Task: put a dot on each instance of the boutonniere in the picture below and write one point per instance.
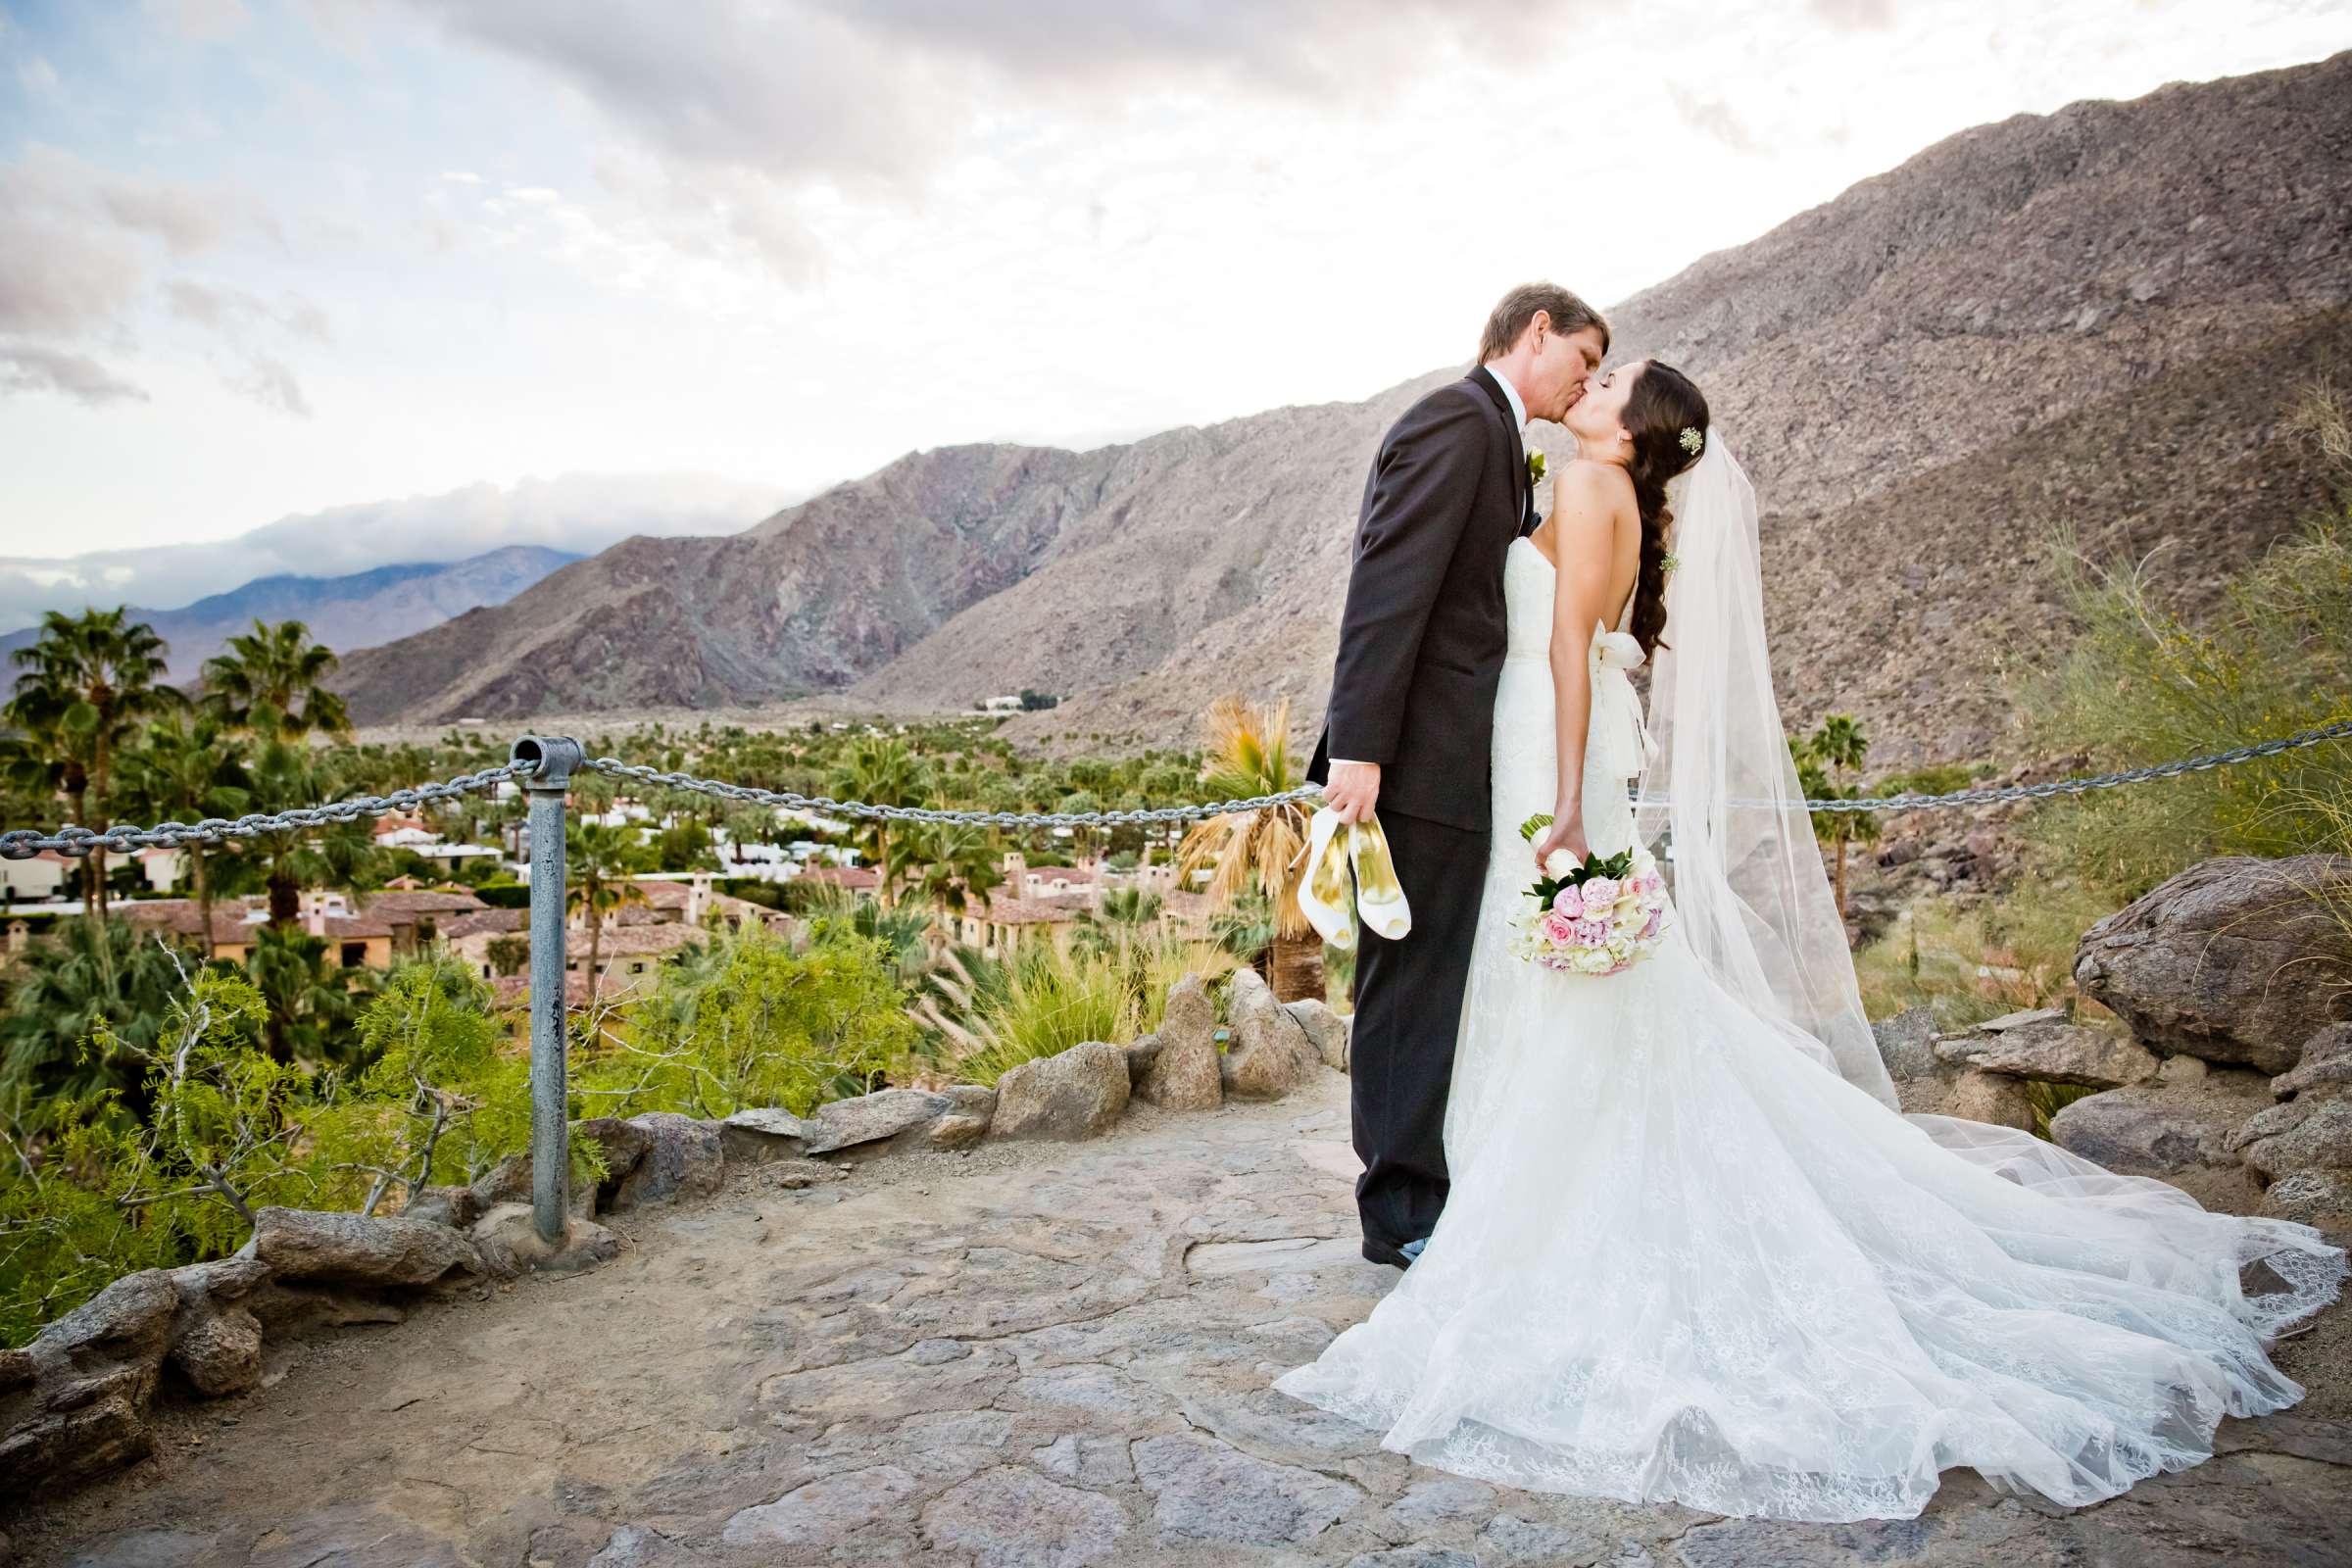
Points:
(1534, 469)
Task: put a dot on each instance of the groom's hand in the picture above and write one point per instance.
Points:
(1352, 790)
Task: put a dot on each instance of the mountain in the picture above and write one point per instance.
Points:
(350, 612)
(2095, 318)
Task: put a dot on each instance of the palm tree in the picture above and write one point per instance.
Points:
(598, 861)
(748, 824)
(280, 775)
(1249, 753)
(310, 999)
(185, 770)
(955, 865)
(92, 973)
(880, 771)
(279, 668)
(1826, 763)
(85, 686)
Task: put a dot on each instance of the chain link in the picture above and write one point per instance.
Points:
(2095, 781)
(23, 844)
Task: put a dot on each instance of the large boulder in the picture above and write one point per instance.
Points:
(1078, 1094)
(2321, 1198)
(2235, 960)
(301, 1243)
(1907, 1043)
(81, 1391)
(759, 1134)
(657, 1157)
(2304, 1134)
(2041, 1043)
(1185, 1071)
(1325, 1030)
(885, 1116)
(2162, 1129)
(1269, 1055)
(1995, 1099)
(2325, 1066)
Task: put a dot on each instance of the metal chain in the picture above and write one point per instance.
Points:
(924, 814)
(2095, 781)
(24, 842)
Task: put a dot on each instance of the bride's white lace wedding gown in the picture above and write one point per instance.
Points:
(1683, 1260)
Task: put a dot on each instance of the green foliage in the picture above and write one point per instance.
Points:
(91, 976)
(1049, 1000)
(2142, 684)
(1970, 961)
(751, 1023)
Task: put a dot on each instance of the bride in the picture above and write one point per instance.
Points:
(1693, 1251)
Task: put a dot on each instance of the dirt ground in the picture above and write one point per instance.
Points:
(1037, 1355)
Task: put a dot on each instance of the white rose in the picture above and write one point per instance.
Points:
(1558, 863)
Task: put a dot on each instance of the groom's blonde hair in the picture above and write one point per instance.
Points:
(1510, 316)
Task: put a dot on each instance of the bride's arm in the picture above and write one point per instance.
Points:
(1586, 502)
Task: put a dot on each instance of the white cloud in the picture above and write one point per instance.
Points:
(581, 512)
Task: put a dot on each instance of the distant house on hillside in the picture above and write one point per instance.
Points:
(370, 934)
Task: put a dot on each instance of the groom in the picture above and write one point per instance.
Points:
(1411, 716)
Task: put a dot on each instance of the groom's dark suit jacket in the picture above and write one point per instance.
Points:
(1421, 642)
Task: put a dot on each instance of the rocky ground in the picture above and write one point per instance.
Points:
(1031, 1354)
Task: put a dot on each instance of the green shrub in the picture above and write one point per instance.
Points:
(503, 895)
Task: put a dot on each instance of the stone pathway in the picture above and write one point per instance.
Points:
(1039, 1354)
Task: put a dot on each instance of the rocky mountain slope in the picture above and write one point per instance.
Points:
(2093, 318)
(355, 610)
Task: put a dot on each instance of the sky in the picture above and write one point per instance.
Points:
(550, 270)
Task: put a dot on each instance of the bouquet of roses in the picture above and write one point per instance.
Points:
(1593, 918)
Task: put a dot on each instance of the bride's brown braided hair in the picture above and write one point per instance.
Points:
(1663, 404)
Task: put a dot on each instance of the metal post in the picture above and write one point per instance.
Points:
(552, 757)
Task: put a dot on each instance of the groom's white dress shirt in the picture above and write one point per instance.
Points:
(1519, 418)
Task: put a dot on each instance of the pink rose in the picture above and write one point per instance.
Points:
(1559, 928)
(1648, 883)
(1592, 933)
(1657, 917)
(1569, 901)
(1600, 892)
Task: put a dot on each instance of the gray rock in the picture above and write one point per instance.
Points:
(2320, 1198)
(661, 1158)
(1445, 1500)
(2320, 1140)
(1205, 1490)
(2044, 1045)
(454, 1206)
(16, 1370)
(2325, 1065)
(1090, 1461)
(638, 1547)
(508, 1239)
(875, 1119)
(1995, 1099)
(1185, 1073)
(1326, 1031)
(2226, 961)
(1190, 1014)
(1269, 1055)
(824, 1512)
(1141, 1054)
(1017, 1518)
(83, 1409)
(1413, 1558)
(509, 1181)
(301, 1244)
(1907, 1043)
(1508, 1540)
(1078, 1094)
(760, 1134)
(2160, 1129)
(971, 1108)
(215, 1341)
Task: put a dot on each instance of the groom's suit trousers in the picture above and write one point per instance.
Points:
(1408, 1008)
